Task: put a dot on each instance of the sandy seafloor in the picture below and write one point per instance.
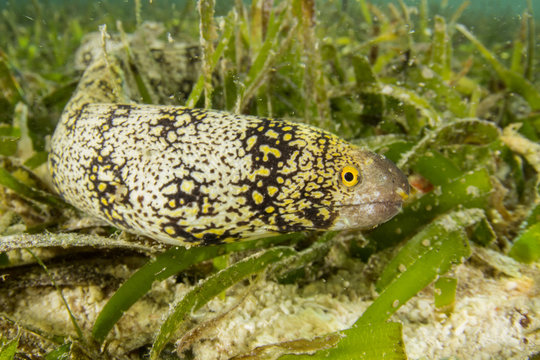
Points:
(496, 314)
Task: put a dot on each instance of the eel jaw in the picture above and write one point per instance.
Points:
(366, 215)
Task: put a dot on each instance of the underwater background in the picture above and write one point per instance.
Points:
(492, 20)
(447, 90)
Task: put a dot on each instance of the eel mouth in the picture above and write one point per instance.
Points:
(367, 215)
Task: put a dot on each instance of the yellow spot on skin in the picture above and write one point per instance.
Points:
(287, 136)
(105, 127)
(317, 194)
(260, 183)
(272, 190)
(172, 203)
(170, 189)
(100, 158)
(94, 168)
(299, 142)
(270, 209)
(272, 220)
(286, 202)
(194, 211)
(187, 186)
(104, 201)
(116, 215)
(93, 177)
(287, 128)
(290, 168)
(257, 197)
(183, 119)
(229, 240)
(250, 142)
(260, 128)
(102, 187)
(269, 150)
(205, 208)
(181, 213)
(215, 231)
(263, 171)
(280, 180)
(324, 213)
(296, 219)
(272, 134)
(171, 136)
(260, 171)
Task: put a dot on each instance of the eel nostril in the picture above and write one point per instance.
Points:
(402, 193)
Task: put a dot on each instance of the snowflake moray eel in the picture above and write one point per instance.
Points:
(198, 177)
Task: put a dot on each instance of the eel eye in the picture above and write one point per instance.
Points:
(350, 176)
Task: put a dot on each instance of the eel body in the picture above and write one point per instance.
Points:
(190, 176)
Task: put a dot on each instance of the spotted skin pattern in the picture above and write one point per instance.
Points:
(190, 176)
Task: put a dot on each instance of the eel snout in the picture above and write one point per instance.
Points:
(378, 199)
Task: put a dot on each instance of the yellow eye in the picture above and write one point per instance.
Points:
(350, 176)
